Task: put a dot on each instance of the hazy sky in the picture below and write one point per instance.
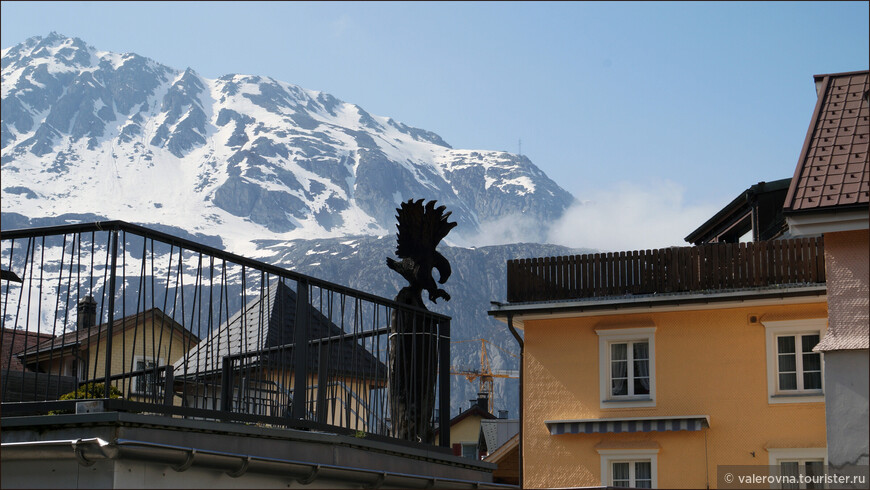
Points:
(655, 114)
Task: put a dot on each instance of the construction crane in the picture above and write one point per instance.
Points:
(484, 374)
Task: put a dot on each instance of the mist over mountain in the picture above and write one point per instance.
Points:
(262, 168)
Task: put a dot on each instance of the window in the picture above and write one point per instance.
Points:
(627, 367)
(798, 367)
(146, 384)
(799, 461)
(794, 372)
(469, 450)
(632, 468)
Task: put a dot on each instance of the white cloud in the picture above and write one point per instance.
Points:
(630, 216)
(515, 228)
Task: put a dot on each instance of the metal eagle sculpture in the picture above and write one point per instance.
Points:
(413, 358)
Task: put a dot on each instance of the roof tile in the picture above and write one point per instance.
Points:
(834, 162)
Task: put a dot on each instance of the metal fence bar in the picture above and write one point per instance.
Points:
(210, 357)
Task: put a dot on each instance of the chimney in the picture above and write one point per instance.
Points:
(86, 313)
(483, 401)
(503, 414)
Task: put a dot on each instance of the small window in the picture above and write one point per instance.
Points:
(798, 462)
(146, 383)
(794, 372)
(631, 474)
(469, 450)
(629, 468)
(627, 367)
(799, 369)
(797, 467)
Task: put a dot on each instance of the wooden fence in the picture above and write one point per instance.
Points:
(717, 266)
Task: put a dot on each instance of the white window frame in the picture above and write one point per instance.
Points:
(134, 386)
(610, 456)
(801, 455)
(622, 335)
(774, 329)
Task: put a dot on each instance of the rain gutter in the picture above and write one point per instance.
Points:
(519, 339)
(235, 465)
(721, 299)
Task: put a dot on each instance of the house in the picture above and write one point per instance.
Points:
(14, 341)
(828, 196)
(17, 382)
(653, 368)
(260, 342)
(499, 443)
(142, 344)
(754, 215)
(507, 459)
(235, 414)
(496, 432)
(465, 428)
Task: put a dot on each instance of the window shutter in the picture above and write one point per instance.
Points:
(457, 449)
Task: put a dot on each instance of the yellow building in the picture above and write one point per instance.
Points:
(344, 384)
(656, 368)
(140, 342)
(465, 429)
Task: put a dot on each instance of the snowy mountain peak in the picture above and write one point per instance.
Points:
(241, 156)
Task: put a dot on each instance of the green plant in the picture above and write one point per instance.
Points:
(360, 434)
(92, 390)
(86, 392)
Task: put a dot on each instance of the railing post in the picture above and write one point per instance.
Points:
(322, 381)
(111, 318)
(226, 384)
(300, 356)
(444, 383)
(168, 384)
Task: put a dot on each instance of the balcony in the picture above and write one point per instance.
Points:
(703, 268)
(152, 323)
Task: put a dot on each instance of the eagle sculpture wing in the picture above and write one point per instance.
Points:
(420, 230)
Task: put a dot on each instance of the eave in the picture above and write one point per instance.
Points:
(659, 302)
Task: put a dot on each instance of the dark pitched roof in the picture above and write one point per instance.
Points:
(764, 200)
(267, 323)
(832, 171)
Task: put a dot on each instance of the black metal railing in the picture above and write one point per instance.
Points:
(175, 327)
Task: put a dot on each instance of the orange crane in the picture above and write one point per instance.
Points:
(485, 374)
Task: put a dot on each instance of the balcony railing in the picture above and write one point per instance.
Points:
(711, 267)
(188, 330)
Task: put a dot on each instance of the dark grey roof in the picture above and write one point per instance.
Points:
(265, 329)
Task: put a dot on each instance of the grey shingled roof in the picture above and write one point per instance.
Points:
(269, 321)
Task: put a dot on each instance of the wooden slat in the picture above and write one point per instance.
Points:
(704, 267)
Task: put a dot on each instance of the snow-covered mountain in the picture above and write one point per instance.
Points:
(240, 156)
(262, 168)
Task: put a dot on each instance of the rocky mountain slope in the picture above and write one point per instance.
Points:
(262, 168)
(238, 156)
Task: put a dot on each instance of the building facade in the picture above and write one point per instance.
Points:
(630, 388)
(829, 196)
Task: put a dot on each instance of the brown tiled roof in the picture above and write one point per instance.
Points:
(832, 171)
(15, 341)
